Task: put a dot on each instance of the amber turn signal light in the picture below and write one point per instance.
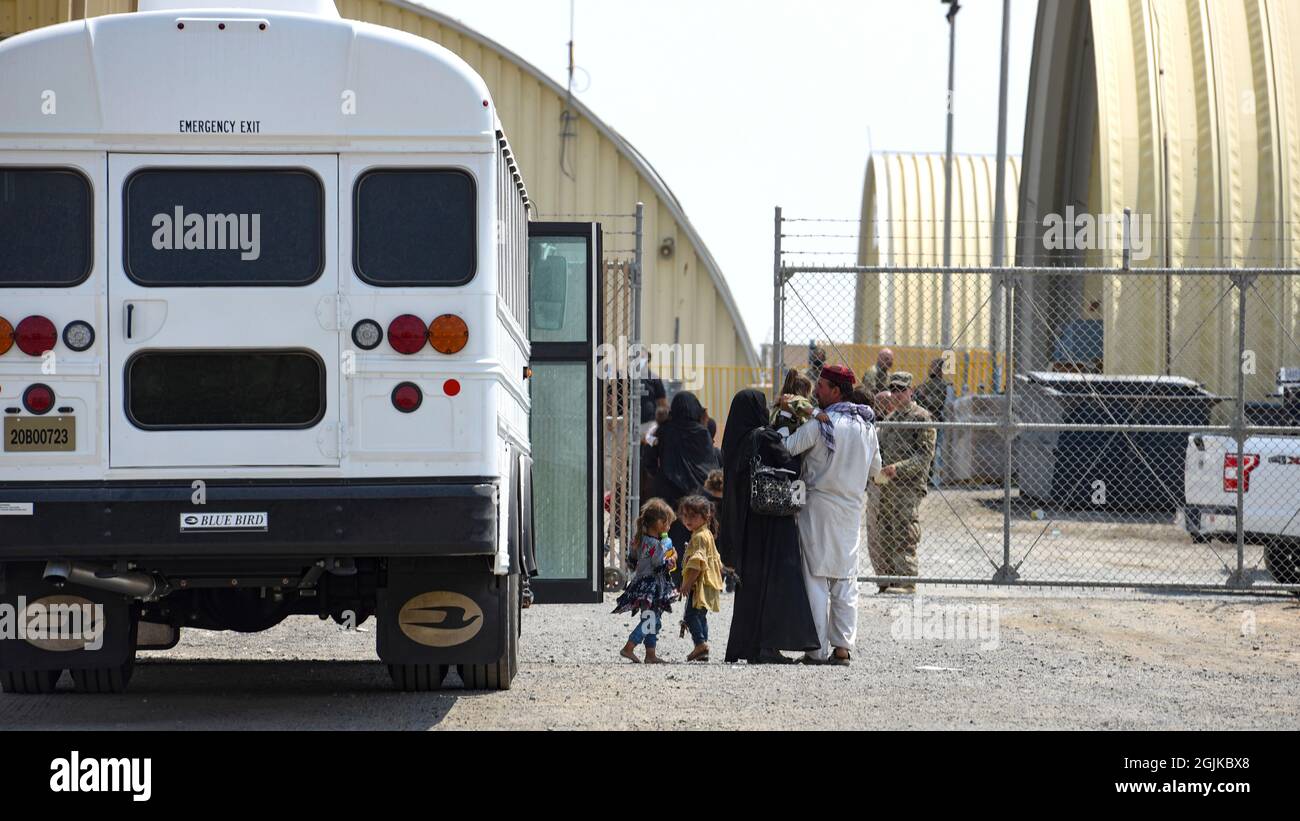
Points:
(6, 335)
(448, 334)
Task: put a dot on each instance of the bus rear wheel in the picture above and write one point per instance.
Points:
(115, 678)
(500, 674)
(29, 682)
(418, 678)
(104, 679)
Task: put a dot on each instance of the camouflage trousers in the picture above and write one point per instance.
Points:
(897, 530)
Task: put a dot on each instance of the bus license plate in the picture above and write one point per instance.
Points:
(26, 434)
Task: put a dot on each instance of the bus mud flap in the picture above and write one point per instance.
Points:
(443, 618)
(44, 627)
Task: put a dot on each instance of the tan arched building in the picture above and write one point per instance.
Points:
(902, 224)
(1187, 112)
(685, 298)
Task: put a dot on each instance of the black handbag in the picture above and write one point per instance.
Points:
(774, 491)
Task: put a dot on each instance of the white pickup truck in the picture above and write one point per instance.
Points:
(1270, 474)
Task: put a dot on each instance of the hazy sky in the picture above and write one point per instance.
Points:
(743, 106)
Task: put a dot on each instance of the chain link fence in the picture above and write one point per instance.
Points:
(1091, 419)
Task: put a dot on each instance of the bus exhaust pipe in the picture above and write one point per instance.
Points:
(131, 583)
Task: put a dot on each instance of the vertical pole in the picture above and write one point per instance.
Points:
(778, 310)
(1006, 574)
(1127, 252)
(945, 307)
(635, 387)
(1000, 197)
(1239, 424)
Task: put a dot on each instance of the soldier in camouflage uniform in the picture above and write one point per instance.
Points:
(907, 453)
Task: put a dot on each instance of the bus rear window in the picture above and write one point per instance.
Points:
(46, 227)
(414, 226)
(224, 227)
(206, 390)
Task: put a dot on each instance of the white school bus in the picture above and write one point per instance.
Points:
(265, 340)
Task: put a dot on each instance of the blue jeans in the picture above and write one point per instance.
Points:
(697, 621)
(647, 629)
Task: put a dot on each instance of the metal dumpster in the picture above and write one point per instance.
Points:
(1113, 470)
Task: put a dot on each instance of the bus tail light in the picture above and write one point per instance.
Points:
(6, 336)
(78, 335)
(407, 334)
(448, 334)
(36, 335)
(367, 334)
(407, 397)
(38, 399)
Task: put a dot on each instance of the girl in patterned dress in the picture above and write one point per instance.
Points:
(651, 591)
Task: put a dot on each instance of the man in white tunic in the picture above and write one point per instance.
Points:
(840, 455)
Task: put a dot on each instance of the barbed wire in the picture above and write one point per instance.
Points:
(584, 216)
(1028, 221)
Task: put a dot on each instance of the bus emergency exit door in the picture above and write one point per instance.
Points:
(567, 474)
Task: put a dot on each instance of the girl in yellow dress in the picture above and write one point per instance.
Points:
(701, 573)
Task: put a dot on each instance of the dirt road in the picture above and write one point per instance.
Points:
(1032, 659)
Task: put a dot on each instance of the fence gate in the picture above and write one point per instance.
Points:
(1098, 423)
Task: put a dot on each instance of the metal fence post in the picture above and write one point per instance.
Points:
(635, 386)
(1006, 574)
(1238, 578)
(778, 308)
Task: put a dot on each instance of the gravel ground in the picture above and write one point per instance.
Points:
(1072, 659)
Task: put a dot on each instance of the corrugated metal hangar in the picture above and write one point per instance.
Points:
(1188, 113)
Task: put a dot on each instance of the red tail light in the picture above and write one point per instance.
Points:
(36, 335)
(38, 399)
(407, 397)
(1249, 462)
(408, 334)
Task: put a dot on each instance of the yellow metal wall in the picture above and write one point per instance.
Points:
(685, 286)
(902, 224)
(1197, 124)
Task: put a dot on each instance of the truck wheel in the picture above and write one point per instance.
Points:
(1283, 563)
(418, 678)
(29, 682)
(499, 675)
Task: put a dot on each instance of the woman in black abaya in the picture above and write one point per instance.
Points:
(684, 455)
(771, 610)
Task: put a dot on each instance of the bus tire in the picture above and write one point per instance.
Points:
(500, 674)
(418, 678)
(29, 682)
(112, 679)
(104, 679)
